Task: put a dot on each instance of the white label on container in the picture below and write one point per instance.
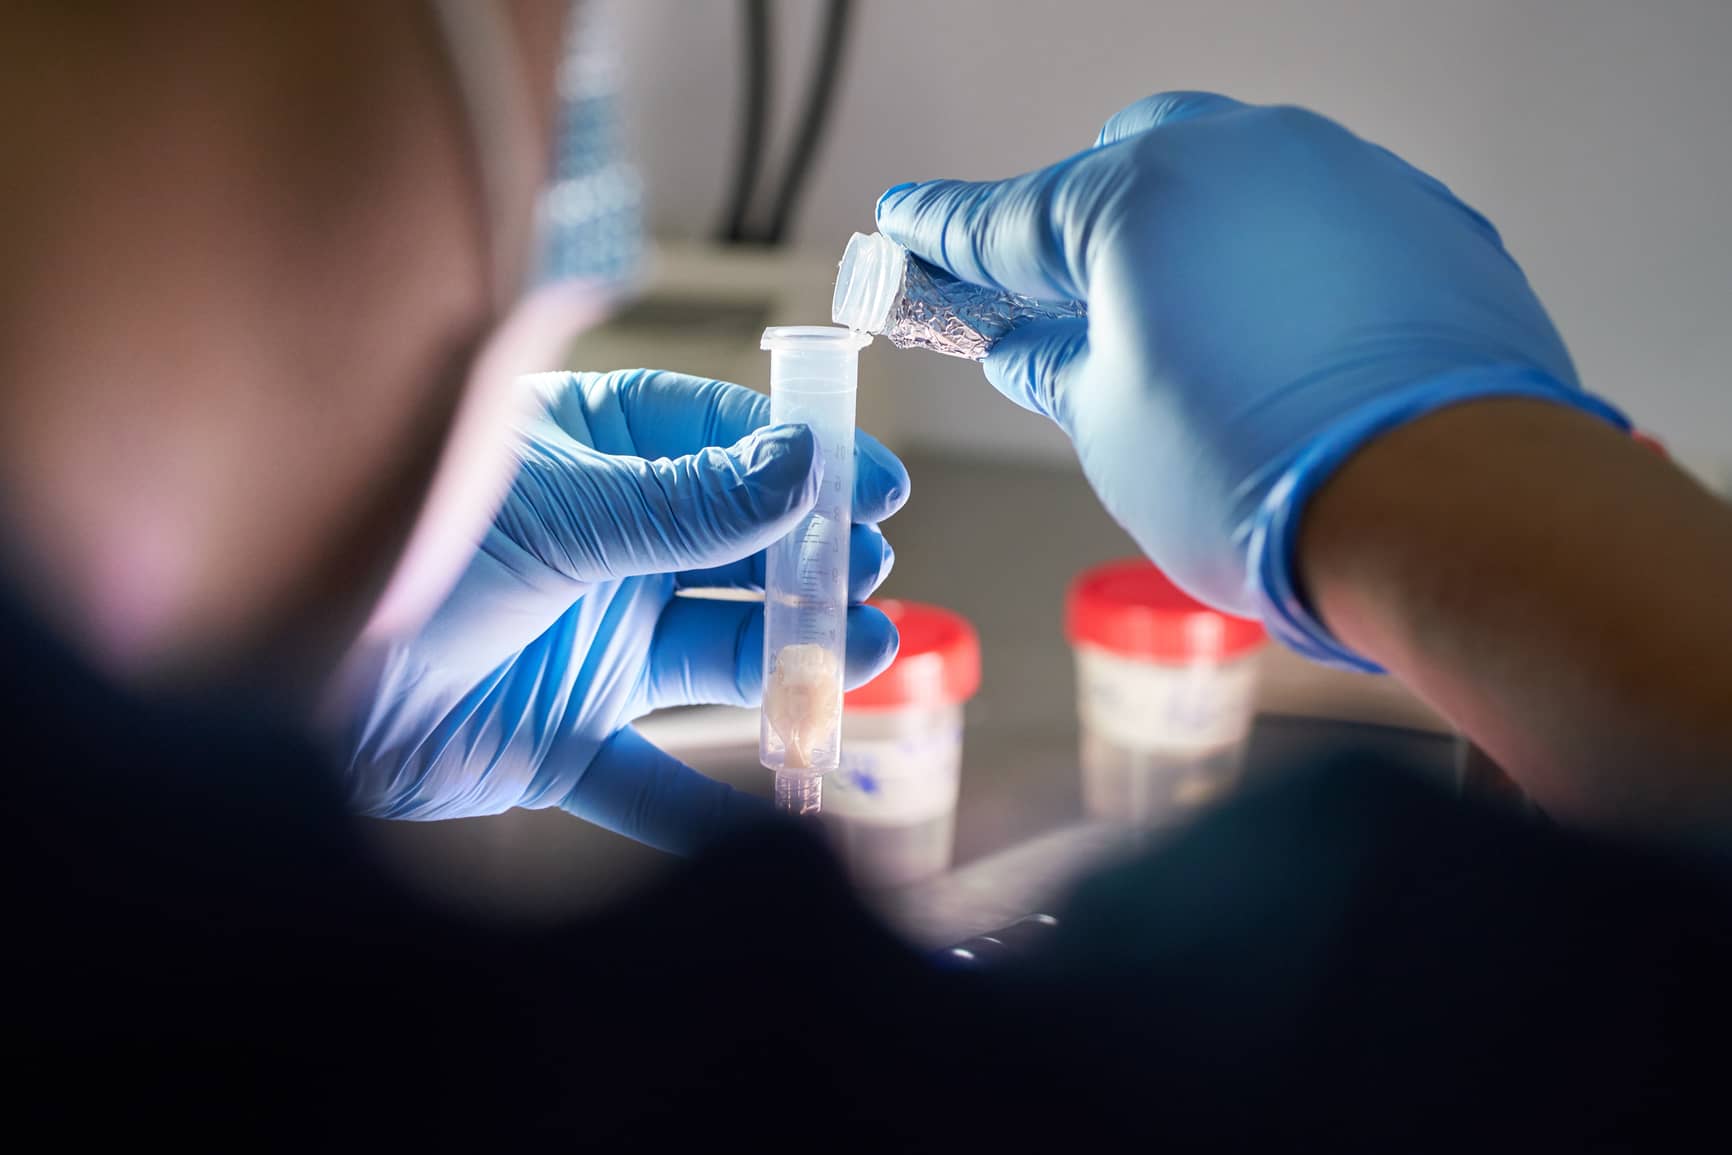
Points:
(896, 779)
(1148, 706)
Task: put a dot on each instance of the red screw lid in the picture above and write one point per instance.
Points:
(939, 661)
(1133, 609)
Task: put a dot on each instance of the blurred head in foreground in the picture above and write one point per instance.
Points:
(252, 253)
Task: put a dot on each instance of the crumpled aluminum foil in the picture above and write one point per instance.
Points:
(938, 312)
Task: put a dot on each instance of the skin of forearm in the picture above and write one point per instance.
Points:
(1562, 594)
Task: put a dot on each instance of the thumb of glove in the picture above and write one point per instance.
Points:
(624, 516)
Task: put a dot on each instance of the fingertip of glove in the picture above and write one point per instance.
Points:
(873, 643)
(891, 194)
(882, 486)
(891, 640)
(899, 210)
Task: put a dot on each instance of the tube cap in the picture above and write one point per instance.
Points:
(867, 282)
(939, 662)
(812, 339)
(1132, 609)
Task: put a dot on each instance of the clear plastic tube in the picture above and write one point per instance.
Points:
(882, 289)
(814, 370)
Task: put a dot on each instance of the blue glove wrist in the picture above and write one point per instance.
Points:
(1272, 561)
(1266, 293)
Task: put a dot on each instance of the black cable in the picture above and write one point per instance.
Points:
(754, 117)
(820, 94)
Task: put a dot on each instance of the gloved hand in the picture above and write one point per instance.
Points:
(564, 628)
(1266, 292)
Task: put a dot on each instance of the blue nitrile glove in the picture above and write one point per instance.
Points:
(1266, 292)
(564, 629)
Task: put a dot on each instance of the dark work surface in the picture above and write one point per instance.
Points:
(1347, 958)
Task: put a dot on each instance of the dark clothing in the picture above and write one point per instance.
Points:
(202, 948)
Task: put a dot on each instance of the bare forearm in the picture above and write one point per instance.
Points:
(1560, 593)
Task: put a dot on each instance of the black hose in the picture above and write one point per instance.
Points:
(754, 117)
(820, 95)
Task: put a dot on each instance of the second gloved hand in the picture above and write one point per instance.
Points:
(565, 627)
(1266, 292)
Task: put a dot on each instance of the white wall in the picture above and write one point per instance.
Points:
(1596, 133)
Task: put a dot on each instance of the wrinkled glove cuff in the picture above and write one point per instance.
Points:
(1272, 564)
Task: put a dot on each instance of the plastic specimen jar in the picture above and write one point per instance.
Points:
(1166, 691)
(891, 807)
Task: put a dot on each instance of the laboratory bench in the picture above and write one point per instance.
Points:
(998, 542)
